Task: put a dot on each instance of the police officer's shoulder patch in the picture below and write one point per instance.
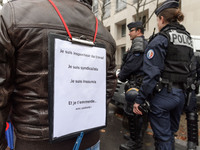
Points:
(150, 54)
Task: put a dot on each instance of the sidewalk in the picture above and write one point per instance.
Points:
(112, 135)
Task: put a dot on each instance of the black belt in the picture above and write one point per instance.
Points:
(174, 85)
(169, 86)
(177, 85)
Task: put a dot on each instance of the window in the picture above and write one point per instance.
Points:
(123, 29)
(107, 1)
(107, 9)
(135, 1)
(95, 6)
(120, 4)
(123, 50)
(108, 28)
(143, 20)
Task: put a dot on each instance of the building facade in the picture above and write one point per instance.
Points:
(116, 14)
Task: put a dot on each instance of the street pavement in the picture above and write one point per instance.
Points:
(112, 135)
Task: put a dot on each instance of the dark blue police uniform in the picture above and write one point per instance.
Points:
(166, 66)
(132, 71)
(166, 107)
(133, 65)
(133, 59)
(190, 108)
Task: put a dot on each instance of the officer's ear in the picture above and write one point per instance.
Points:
(163, 21)
(137, 30)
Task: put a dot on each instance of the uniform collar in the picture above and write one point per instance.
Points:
(173, 25)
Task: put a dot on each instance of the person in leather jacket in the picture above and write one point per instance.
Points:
(24, 29)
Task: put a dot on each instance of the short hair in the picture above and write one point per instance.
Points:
(141, 28)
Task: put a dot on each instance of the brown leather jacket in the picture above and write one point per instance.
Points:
(24, 29)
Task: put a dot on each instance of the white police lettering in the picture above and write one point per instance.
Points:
(180, 39)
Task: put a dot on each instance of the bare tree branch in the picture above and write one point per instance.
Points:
(137, 6)
(153, 12)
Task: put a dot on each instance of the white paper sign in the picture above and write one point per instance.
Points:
(79, 88)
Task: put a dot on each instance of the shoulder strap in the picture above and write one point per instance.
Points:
(65, 25)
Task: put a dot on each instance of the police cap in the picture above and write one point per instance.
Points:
(134, 25)
(167, 4)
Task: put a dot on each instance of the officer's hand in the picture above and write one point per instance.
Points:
(136, 109)
(117, 73)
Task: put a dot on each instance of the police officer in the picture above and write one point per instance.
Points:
(132, 71)
(167, 66)
(192, 120)
(191, 104)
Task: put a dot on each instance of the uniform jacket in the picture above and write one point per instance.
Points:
(24, 29)
(133, 59)
(155, 62)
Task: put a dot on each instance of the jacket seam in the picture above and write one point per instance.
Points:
(57, 27)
